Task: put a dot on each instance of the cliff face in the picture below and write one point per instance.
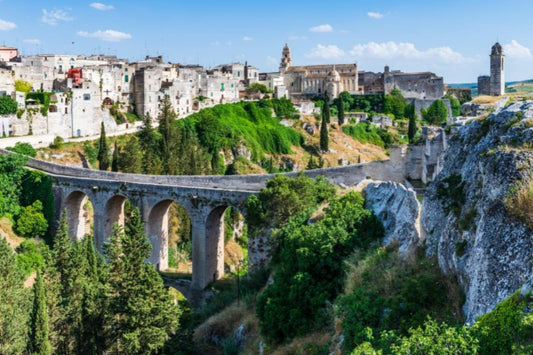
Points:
(464, 216)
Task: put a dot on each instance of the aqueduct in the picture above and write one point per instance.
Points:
(205, 199)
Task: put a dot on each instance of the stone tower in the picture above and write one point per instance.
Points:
(497, 78)
(286, 59)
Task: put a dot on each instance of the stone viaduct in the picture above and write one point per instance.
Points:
(205, 198)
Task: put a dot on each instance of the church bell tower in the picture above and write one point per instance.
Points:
(286, 59)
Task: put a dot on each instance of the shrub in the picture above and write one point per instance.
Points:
(30, 255)
(23, 148)
(31, 222)
(436, 114)
(520, 201)
(368, 133)
(57, 143)
(507, 328)
(7, 105)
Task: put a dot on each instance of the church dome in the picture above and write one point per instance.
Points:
(334, 75)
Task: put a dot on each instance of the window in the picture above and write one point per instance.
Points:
(238, 74)
(126, 78)
(125, 69)
(86, 97)
(222, 87)
(232, 86)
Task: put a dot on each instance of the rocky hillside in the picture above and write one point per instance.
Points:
(466, 213)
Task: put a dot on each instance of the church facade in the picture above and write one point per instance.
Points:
(305, 82)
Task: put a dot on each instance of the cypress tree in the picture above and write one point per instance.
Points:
(325, 108)
(340, 108)
(324, 137)
(149, 143)
(165, 117)
(142, 314)
(131, 160)
(103, 150)
(114, 162)
(40, 327)
(15, 304)
(411, 130)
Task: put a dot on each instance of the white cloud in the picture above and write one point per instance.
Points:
(215, 43)
(516, 50)
(107, 35)
(376, 15)
(326, 52)
(228, 43)
(33, 41)
(101, 7)
(52, 17)
(321, 28)
(7, 26)
(246, 38)
(386, 50)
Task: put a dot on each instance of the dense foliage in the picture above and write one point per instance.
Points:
(23, 148)
(436, 113)
(7, 105)
(384, 291)
(368, 133)
(309, 266)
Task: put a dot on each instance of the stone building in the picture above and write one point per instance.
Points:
(423, 85)
(493, 85)
(8, 54)
(314, 80)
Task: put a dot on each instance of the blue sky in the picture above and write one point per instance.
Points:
(451, 38)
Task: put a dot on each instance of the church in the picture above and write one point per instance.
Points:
(305, 82)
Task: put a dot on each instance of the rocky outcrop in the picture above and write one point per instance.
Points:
(464, 216)
(396, 207)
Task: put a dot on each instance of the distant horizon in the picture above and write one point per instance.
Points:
(451, 39)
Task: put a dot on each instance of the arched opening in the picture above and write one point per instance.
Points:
(113, 213)
(226, 242)
(79, 215)
(169, 232)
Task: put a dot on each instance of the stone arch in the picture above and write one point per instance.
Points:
(113, 213)
(215, 242)
(107, 102)
(157, 230)
(78, 214)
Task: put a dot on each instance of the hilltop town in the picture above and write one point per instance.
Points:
(70, 95)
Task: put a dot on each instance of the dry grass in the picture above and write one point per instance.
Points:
(6, 231)
(223, 326)
(484, 99)
(305, 345)
(232, 253)
(520, 201)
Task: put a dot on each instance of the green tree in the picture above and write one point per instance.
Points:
(412, 127)
(169, 136)
(257, 87)
(114, 162)
(149, 143)
(340, 108)
(436, 114)
(40, 342)
(130, 159)
(325, 108)
(31, 223)
(7, 105)
(23, 86)
(11, 178)
(15, 304)
(309, 266)
(455, 105)
(142, 314)
(395, 104)
(103, 150)
(347, 99)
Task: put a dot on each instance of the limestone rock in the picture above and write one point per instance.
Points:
(398, 209)
(488, 250)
